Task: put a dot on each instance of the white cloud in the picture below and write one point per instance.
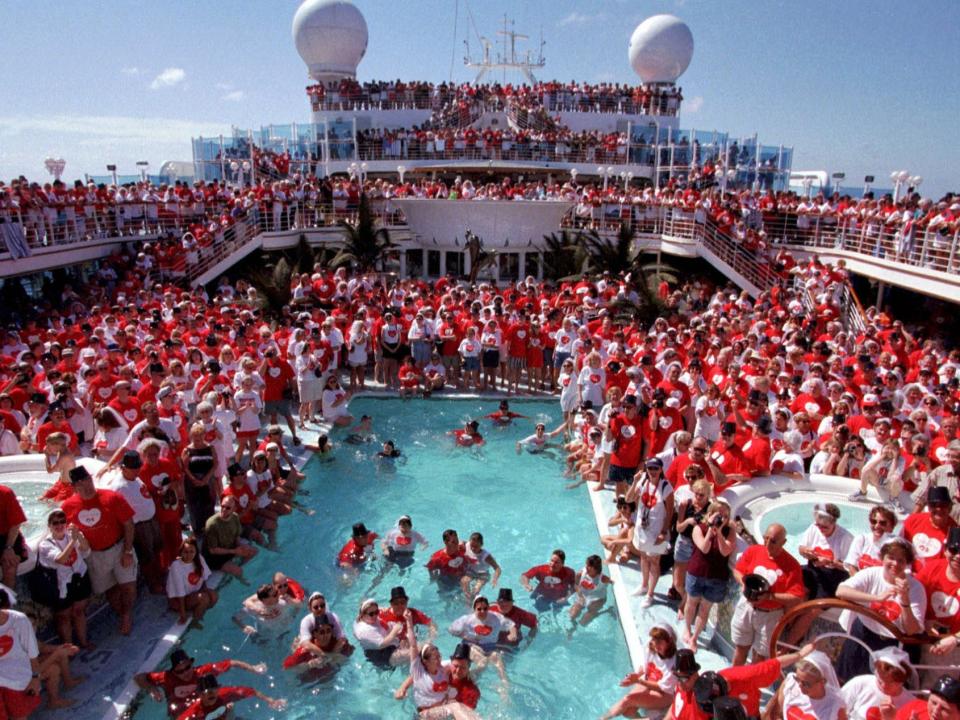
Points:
(130, 71)
(168, 78)
(234, 96)
(693, 105)
(576, 18)
(89, 142)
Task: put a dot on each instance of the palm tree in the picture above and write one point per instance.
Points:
(616, 256)
(479, 258)
(273, 278)
(564, 255)
(619, 257)
(364, 245)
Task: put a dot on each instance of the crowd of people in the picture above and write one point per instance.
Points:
(553, 96)
(914, 230)
(171, 389)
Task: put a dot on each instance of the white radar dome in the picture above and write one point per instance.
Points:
(660, 49)
(331, 37)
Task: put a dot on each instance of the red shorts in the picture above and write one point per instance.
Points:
(16, 703)
(247, 434)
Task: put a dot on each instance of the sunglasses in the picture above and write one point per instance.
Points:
(370, 613)
(58, 523)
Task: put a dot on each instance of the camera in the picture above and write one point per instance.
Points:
(718, 521)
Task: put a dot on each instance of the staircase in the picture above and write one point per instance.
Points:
(229, 247)
(535, 120)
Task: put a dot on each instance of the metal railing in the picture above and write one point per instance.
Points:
(574, 150)
(903, 243)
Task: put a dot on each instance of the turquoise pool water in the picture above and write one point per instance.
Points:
(520, 505)
(797, 516)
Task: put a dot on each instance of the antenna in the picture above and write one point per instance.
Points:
(509, 59)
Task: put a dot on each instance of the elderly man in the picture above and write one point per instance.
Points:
(106, 520)
(221, 540)
(764, 601)
(944, 476)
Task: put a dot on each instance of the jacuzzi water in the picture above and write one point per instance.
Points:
(797, 515)
(520, 505)
(30, 492)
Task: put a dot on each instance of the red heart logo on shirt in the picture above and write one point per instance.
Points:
(483, 630)
(795, 713)
(873, 713)
(402, 540)
(440, 687)
(193, 578)
(652, 673)
(6, 642)
(888, 609)
(866, 561)
(594, 378)
(825, 553)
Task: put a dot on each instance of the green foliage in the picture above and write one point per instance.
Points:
(364, 244)
(564, 256)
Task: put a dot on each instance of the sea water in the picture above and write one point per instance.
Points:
(519, 503)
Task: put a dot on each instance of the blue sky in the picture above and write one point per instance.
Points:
(855, 86)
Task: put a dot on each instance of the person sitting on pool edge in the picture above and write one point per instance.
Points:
(355, 552)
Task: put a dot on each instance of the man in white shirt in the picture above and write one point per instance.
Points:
(146, 540)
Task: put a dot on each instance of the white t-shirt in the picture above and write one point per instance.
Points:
(309, 623)
(50, 550)
(871, 581)
(862, 694)
(400, 543)
(592, 382)
(134, 492)
(371, 637)
(835, 547)
(429, 689)
(826, 708)
(864, 551)
(659, 670)
(17, 633)
(329, 411)
(256, 482)
(470, 628)
(183, 578)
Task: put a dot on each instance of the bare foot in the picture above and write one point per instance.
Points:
(74, 681)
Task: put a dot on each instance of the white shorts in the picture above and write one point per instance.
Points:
(753, 627)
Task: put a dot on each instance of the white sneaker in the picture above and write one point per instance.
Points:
(858, 495)
(646, 602)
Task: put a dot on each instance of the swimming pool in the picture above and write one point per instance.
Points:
(517, 501)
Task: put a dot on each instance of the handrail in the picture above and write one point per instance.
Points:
(823, 604)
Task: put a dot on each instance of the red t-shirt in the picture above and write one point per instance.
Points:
(11, 513)
(668, 422)
(745, 683)
(276, 376)
(928, 540)
(101, 518)
(553, 585)
(943, 594)
(449, 565)
(225, 696)
(352, 553)
(782, 572)
(628, 437)
(179, 692)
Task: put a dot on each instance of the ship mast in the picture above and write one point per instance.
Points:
(523, 63)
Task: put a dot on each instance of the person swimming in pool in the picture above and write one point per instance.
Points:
(389, 451)
(504, 415)
(539, 441)
(469, 435)
(358, 549)
(361, 432)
